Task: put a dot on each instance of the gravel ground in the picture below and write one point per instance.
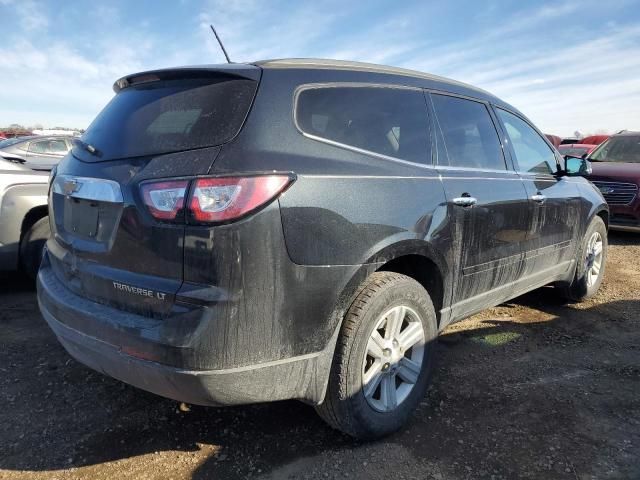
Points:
(530, 389)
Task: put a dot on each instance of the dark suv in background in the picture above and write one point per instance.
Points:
(616, 172)
(303, 229)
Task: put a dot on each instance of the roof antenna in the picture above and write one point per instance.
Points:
(221, 45)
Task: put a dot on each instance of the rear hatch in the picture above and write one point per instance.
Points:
(160, 126)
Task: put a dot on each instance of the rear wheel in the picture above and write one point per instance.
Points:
(383, 358)
(592, 256)
(31, 246)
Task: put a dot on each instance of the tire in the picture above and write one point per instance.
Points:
(585, 283)
(361, 410)
(31, 247)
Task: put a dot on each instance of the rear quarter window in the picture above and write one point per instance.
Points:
(168, 116)
(387, 121)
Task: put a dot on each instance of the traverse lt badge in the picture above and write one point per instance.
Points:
(143, 292)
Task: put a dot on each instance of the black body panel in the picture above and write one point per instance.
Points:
(272, 288)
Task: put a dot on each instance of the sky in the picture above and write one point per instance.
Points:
(568, 65)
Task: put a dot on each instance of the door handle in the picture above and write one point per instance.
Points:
(538, 197)
(465, 201)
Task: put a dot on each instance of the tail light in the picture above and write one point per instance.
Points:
(224, 199)
(212, 200)
(165, 199)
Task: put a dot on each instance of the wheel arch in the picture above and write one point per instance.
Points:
(31, 217)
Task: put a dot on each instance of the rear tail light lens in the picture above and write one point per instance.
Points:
(165, 199)
(212, 200)
(229, 198)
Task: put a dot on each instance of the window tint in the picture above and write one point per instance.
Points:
(470, 137)
(387, 121)
(169, 116)
(532, 152)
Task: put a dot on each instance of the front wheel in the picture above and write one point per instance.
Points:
(592, 257)
(383, 357)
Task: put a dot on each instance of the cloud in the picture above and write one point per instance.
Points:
(30, 14)
(541, 58)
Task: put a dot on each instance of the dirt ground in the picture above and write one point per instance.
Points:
(530, 389)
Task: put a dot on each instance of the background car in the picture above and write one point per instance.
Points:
(616, 172)
(36, 152)
(594, 139)
(24, 221)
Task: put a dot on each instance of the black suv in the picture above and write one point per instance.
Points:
(302, 229)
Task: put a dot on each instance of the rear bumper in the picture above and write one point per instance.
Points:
(303, 377)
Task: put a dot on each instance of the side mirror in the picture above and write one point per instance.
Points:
(577, 166)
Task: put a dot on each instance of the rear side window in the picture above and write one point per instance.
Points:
(387, 121)
(532, 152)
(51, 147)
(38, 147)
(470, 137)
(169, 116)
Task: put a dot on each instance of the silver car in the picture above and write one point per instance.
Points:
(24, 220)
(36, 152)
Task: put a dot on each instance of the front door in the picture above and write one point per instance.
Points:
(487, 204)
(554, 202)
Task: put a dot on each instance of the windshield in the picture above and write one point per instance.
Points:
(168, 116)
(623, 149)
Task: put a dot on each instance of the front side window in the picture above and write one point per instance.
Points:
(532, 152)
(387, 121)
(470, 138)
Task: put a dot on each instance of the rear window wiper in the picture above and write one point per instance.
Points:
(87, 147)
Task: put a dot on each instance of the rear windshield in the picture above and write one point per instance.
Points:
(168, 116)
(624, 149)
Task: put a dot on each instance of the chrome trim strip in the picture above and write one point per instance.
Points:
(87, 188)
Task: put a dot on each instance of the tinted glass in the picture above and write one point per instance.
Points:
(533, 154)
(169, 116)
(387, 121)
(618, 149)
(470, 138)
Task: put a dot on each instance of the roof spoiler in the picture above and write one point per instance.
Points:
(237, 70)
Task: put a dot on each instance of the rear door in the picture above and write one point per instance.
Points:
(554, 202)
(487, 203)
(155, 134)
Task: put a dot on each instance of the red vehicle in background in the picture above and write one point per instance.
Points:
(583, 148)
(616, 172)
(576, 149)
(594, 139)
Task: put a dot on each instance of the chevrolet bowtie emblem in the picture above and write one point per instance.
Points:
(70, 186)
